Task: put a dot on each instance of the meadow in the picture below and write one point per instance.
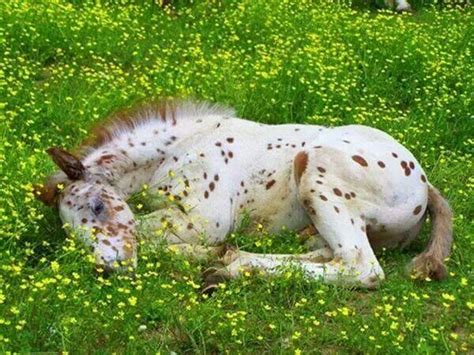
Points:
(64, 65)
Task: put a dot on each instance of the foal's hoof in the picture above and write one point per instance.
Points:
(212, 278)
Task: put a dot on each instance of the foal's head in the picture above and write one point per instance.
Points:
(93, 209)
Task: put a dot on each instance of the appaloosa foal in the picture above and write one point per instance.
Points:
(360, 188)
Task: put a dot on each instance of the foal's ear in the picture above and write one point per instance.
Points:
(68, 163)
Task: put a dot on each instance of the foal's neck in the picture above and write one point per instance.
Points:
(131, 157)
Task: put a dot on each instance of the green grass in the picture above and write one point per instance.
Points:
(64, 65)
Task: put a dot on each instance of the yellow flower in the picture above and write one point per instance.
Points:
(448, 297)
(132, 301)
(55, 266)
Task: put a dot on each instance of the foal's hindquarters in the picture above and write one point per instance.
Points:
(361, 190)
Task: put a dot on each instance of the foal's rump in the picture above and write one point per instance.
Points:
(374, 175)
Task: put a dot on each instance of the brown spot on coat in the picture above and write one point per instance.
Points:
(423, 178)
(299, 165)
(270, 184)
(381, 164)
(412, 165)
(417, 210)
(321, 169)
(360, 160)
(324, 198)
(105, 158)
(337, 191)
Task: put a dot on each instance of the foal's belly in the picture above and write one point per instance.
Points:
(275, 202)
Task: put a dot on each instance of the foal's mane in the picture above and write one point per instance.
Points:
(167, 111)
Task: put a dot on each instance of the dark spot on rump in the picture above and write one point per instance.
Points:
(353, 195)
(352, 220)
(299, 165)
(105, 241)
(206, 194)
(216, 177)
(360, 160)
(381, 164)
(84, 220)
(324, 198)
(346, 141)
(337, 191)
(336, 209)
(339, 245)
(423, 178)
(218, 144)
(407, 171)
(395, 155)
(412, 165)
(347, 196)
(319, 182)
(230, 140)
(212, 186)
(404, 164)
(205, 176)
(270, 184)
(190, 225)
(417, 210)
(230, 154)
(321, 169)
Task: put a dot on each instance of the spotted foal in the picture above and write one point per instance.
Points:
(356, 185)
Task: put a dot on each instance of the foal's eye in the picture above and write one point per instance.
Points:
(97, 207)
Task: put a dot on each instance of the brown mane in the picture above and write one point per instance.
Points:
(127, 119)
(130, 117)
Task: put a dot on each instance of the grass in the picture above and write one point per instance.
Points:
(66, 64)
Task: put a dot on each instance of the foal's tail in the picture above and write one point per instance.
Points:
(430, 263)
